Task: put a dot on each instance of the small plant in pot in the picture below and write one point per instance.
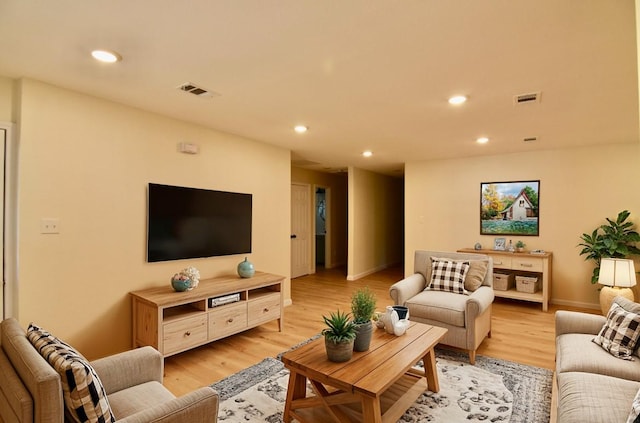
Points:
(363, 306)
(339, 336)
(520, 246)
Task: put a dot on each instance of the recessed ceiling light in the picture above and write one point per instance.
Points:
(457, 99)
(300, 129)
(106, 56)
(482, 140)
(367, 153)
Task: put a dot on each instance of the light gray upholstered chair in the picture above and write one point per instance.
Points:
(31, 391)
(467, 317)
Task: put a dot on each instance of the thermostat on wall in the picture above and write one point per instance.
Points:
(188, 148)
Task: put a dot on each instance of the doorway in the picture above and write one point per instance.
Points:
(322, 226)
(8, 230)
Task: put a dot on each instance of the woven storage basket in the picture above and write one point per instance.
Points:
(502, 281)
(528, 284)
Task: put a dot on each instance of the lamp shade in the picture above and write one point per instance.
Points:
(617, 272)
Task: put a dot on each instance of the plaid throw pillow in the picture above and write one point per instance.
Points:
(620, 333)
(448, 275)
(634, 416)
(84, 395)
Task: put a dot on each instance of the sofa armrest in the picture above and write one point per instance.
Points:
(129, 368)
(402, 290)
(576, 322)
(199, 406)
(479, 300)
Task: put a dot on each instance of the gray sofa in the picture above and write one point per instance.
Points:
(31, 390)
(591, 385)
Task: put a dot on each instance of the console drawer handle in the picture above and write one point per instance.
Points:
(266, 310)
(230, 320)
(526, 265)
(187, 333)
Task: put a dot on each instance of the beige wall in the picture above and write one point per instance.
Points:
(337, 184)
(87, 162)
(578, 189)
(375, 222)
(6, 99)
(638, 41)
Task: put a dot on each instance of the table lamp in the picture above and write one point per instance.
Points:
(617, 276)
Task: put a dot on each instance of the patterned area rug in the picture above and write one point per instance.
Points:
(491, 391)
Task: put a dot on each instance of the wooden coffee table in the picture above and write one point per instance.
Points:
(375, 386)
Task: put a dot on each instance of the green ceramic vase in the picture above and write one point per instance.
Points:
(245, 269)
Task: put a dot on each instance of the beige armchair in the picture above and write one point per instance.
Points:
(31, 391)
(467, 317)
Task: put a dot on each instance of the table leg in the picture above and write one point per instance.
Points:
(431, 371)
(371, 411)
(297, 389)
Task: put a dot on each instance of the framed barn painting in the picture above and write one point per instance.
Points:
(510, 208)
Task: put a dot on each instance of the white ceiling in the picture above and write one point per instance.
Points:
(362, 74)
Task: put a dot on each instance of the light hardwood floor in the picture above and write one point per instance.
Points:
(521, 331)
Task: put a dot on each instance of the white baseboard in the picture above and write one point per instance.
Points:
(577, 304)
(367, 273)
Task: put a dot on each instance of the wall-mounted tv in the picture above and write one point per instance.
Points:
(185, 223)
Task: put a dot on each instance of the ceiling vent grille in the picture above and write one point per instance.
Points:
(527, 98)
(191, 88)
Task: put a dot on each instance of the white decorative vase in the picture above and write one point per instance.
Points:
(390, 319)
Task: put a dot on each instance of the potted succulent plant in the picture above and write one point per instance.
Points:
(363, 306)
(339, 336)
(616, 239)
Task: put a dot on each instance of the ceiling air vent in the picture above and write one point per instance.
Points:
(527, 98)
(191, 88)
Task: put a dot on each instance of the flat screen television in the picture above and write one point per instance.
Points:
(185, 223)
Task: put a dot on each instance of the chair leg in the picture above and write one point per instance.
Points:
(472, 357)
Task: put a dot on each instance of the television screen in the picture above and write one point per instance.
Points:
(185, 223)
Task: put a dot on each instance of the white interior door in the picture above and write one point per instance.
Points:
(8, 230)
(300, 230)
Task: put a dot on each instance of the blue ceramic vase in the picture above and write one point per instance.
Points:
(181, 285)
(245, 269)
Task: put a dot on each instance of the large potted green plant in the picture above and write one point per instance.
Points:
(363, 305)
(616, 239)
(339, 336)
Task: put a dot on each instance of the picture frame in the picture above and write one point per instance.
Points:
(500, 244)
(510, 208)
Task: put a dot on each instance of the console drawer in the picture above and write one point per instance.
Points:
(527, 264)
(227, 319)
(184, 333)
(502, 262)
(264, 309)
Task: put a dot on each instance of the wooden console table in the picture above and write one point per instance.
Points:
(522, 263)
(173, 322)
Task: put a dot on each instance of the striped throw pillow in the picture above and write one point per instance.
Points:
(448, 275)
(620, 333)
(84, 395)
